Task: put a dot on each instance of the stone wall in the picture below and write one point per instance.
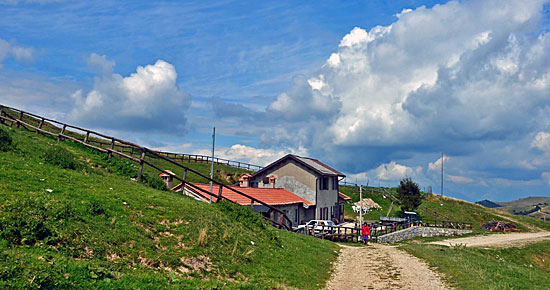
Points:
(414, 232)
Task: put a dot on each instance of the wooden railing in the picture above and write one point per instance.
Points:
(114, 143)
(333, 233)
(183, 157)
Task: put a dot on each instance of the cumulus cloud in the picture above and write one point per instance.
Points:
(147, 100)
(20, 53)
(394, 171)
(251, 155)
(546, 176)
(542, 142)
(446, 78)
(459, 179)
(437, 164)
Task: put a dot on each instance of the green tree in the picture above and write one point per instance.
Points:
(409, 194)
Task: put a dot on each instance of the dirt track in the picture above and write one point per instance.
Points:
(381, 267)
(496, 240)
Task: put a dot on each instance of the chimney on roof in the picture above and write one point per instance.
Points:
(272, 180)
(167, 178)
(244, 180)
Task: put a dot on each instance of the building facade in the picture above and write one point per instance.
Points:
(307, 178)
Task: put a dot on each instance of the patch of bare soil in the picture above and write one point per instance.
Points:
(496, 240)
(379, 266)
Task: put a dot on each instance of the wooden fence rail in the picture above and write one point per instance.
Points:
(115, 143)
(188, 157)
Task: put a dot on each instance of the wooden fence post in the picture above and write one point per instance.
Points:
(281, 220)
(59, 138)
(1, 112)
(110, 154)
(140, 171)
(220, 193)
(20, 118)
(87, 137)
(40, 126)
(184, 180)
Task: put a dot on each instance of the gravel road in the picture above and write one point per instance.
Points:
(496, 240)
(379, 266)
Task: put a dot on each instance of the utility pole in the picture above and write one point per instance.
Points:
(442, 173)
(360, 206)
(212, 164)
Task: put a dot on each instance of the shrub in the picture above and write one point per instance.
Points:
(61, 157)
(243, 214)
(96, 208)
(23, 229)
(6, 143)
(155, 182)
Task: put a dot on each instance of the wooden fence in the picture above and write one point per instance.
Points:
(377, 229)
(333, 233)
(182, 157)
(113, 143)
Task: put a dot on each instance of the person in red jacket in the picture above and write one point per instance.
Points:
(365, 232)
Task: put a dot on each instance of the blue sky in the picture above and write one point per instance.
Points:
(377, 89)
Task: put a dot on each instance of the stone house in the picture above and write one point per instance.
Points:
(307, 178)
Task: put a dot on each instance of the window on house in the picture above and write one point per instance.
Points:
(335, 183)
(265, 180)
(324, 183)
(296, 215)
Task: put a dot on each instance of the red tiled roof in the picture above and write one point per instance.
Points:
(271, 196)
(343, 196)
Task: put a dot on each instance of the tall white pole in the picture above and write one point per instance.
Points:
(212, 160)
(442, 173)
(360, 205)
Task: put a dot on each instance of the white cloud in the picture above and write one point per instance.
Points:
(446, 78)
(542, 142)
(148, 99)
(546, 176)
(250, 155)
(20, 53)
(394, 171)
(403, 12)
(100, 64)
(360, 177)
(459, 179)
(437, 164)
(355, 37)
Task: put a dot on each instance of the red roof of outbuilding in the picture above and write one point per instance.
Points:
(343, 196)
(162, 174)
(271, 196)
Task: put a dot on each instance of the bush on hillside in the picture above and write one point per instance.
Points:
(24, 222)
(61, 157)
(6, 142)
(156, 183)
(242, 213)
(409, 194)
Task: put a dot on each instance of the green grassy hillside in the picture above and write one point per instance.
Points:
(222, 173)
(70, 218)
(435, 207)
(382, 199)
(525, 267)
